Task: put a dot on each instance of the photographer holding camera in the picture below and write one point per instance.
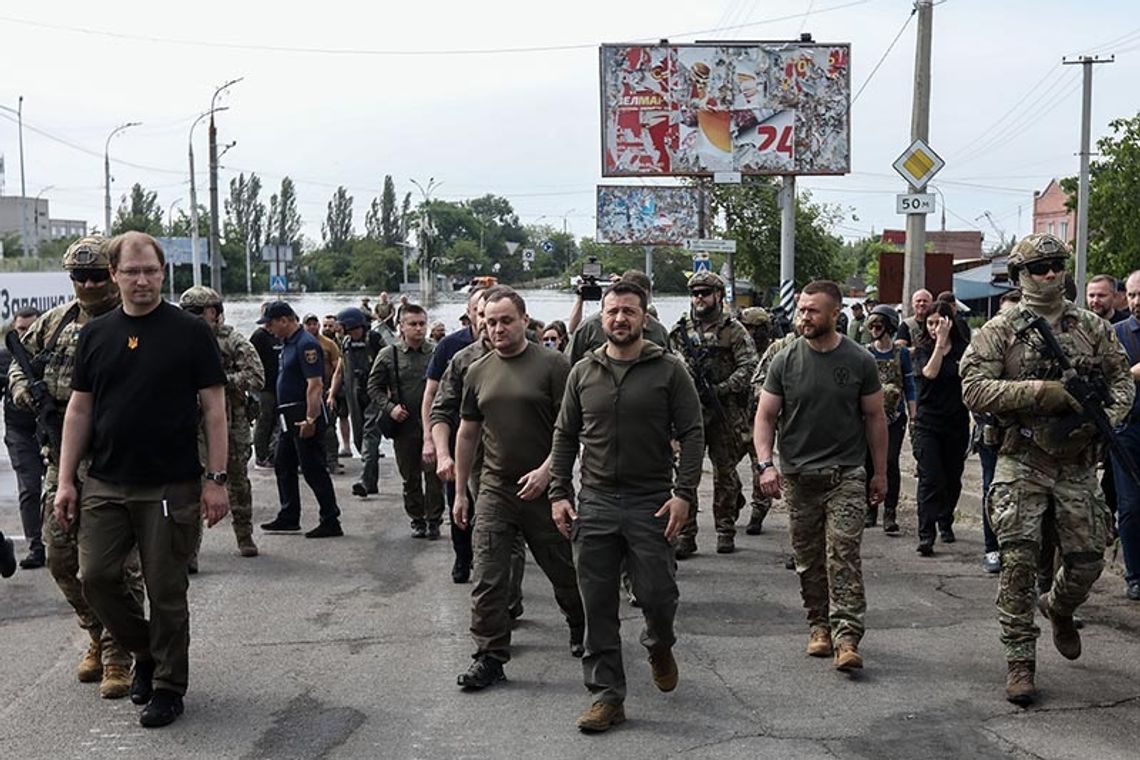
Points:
(589, 335)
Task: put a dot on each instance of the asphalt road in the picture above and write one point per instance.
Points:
(349, 648)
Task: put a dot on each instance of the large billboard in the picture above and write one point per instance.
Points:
(648, 215)
(760, 108)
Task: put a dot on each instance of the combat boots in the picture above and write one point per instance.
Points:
(1019, 687)
(600, 717)
(685, 548)
(819, 644)
(90, 667)
(890, 521)
(246, 546)
(664, 667)
(116, 682)
(847, 657)
(871, 516)
(1066, 637)
(725, 543)
(755, 523)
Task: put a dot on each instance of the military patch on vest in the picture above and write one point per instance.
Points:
(311, 355)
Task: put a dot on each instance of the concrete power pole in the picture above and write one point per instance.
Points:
(1086, 63)
(914, 261)
(215, 237)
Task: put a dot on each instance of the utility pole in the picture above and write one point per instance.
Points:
(23, 190)
(787, 203)
(107, 174)
(215, 234)
(914, 260)
(195, 261)
(1086, 63)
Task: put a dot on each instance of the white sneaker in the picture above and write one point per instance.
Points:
(992, 562)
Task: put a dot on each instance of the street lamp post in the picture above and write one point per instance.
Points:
(19, 111)
(170, 254)
(425, 247)
(36, 218)
(215, 235)
(107, 174)
(194, 260)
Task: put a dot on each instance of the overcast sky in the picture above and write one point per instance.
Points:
(342, 92)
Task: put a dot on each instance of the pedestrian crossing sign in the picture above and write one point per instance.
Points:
(278, 283)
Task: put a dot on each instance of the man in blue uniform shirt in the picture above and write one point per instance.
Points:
(301, 409)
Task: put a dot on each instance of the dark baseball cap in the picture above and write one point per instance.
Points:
(275, 310)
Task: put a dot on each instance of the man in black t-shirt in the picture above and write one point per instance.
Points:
(141, 372)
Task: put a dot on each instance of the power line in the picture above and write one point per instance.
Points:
(887, 52)
(262, 48)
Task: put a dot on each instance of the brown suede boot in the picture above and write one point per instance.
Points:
(664, 669)
(116, 682)
(1066, 637)
(600, 717)
(90, 667)
(819, 644)
(847, 657)
(1019, 686)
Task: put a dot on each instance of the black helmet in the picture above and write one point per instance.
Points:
(351, 318)
(887, 314)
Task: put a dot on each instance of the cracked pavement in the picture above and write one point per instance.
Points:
(350, 647)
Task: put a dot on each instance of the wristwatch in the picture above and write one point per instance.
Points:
(760, 467)
(218, 477)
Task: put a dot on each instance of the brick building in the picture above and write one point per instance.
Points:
(1051, 214)
(961, 244)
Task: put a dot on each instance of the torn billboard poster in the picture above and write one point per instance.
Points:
(648, 215)
(761, 108)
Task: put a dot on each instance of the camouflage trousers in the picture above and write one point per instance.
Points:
(238, 487)
(825, 519)
(725, 450)
(1022, 499)
(63, 562)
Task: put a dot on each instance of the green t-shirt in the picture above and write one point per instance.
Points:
(821, 423)
(517, 401)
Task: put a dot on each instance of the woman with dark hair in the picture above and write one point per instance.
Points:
(941, 432)
(555, 336)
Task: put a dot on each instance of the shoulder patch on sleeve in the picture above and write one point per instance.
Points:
(311, 356)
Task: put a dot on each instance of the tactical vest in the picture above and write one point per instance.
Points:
(891, 378)
(1024, 360)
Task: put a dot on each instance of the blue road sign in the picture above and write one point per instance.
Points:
(548, 246)
(278, 283)
(702, 263)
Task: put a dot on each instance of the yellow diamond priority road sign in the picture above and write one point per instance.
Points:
(918, 164)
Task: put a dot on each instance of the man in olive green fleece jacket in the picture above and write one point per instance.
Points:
(624, 403)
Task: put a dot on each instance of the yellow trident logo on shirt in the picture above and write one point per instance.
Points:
(132, 342)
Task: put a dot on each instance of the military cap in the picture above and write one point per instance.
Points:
(200, 295)
(1036, 247)
(706, 279)
(87, 253)
(276, 310)
(754, 316)
(351, 318)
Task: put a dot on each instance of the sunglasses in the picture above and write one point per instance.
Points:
(90, 275)
(1044, 267)
(701, 292)
(199, 310)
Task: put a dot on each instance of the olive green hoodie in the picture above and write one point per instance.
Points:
(626, 426)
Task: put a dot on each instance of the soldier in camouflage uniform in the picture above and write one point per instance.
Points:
(244, 376)
(721, 357)
(1043, 469)
(51, 342)
(759, 325)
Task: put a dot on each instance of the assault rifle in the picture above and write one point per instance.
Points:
(1092, 395)
(49, 419)
(706, 390)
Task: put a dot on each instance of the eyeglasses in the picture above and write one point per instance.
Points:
(90, 275)
(133, 273)
(701, 292)
(1044, 267)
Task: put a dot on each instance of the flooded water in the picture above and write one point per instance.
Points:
(545, 305)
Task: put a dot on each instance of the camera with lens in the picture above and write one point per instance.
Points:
(588, 286)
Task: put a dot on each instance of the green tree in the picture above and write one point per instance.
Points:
(284, 220)
(389, 219)
(671, 266)
(337, 228)
(1114, 194)
(139, 211)
(245, 213)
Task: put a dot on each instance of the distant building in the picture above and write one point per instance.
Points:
(961, 244)
(1051, 213)
(40, 225)
(67, 228)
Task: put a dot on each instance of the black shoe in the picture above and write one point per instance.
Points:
(460, 571)
(577, 647)
(280, 526)
(359, 489)
(948, 536)
(790, 562)
(33, 561)
(926, 550)
(162, 710)
(685, 548)
(755, 527)
(1133, 591)
(433, 531)
(515, 610)
(142, 687)
(890, 527)
(7, 558)
(192, 568)
(482, 673)
(419, 530)
(326, 529)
